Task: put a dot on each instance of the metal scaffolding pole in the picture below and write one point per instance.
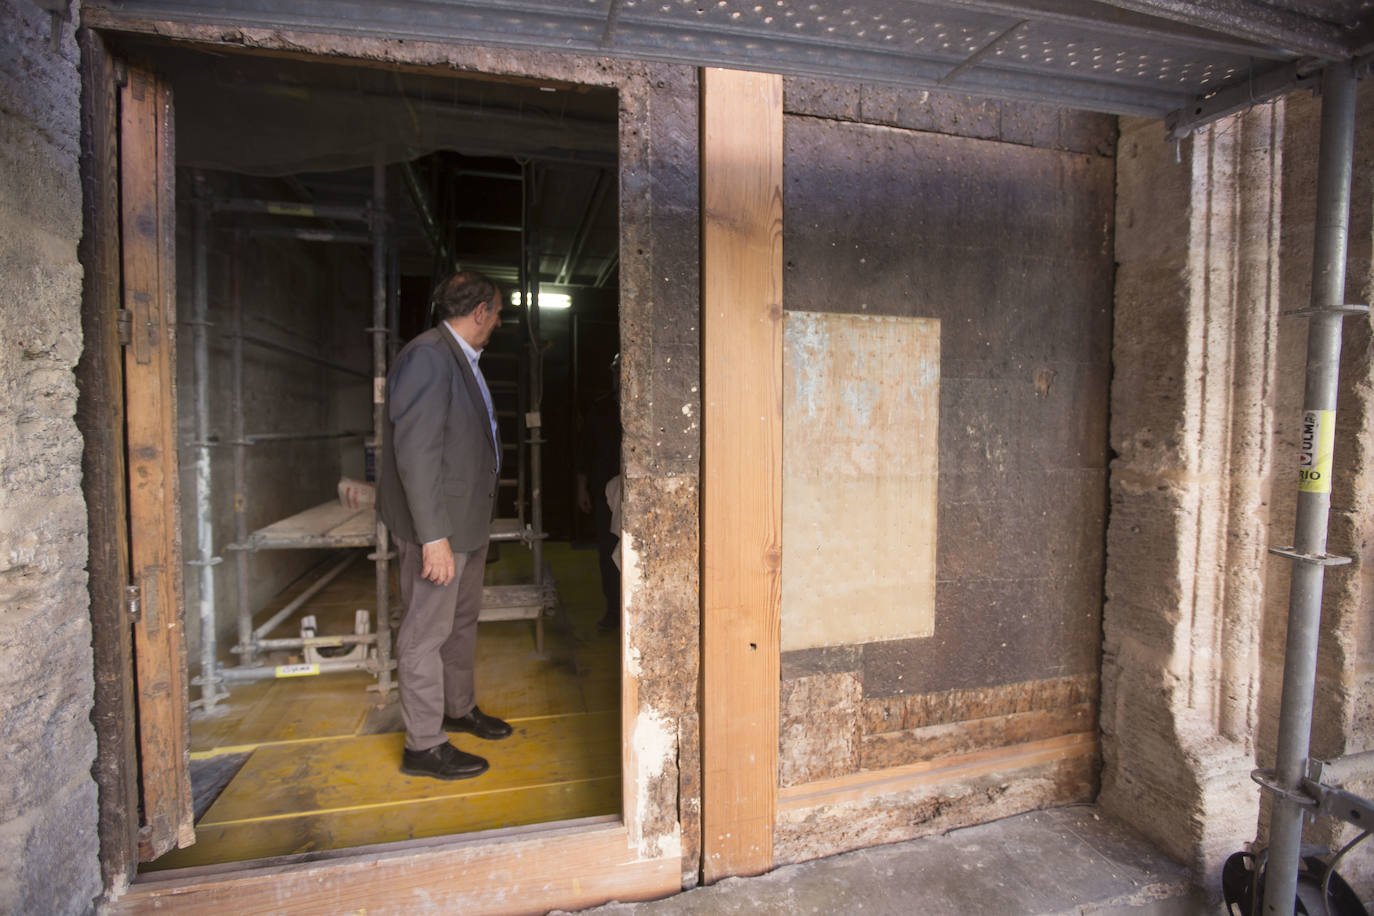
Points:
(531, 420)
(250, 656)
(1326, 312)
(379, 330)
(205, 560)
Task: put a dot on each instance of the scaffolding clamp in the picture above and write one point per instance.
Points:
(1268, 780)
(1312, 311)
(212, 561)
(1315, 559)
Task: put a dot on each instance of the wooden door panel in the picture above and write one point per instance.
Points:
(148, 184)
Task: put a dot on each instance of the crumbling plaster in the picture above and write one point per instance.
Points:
(48, 815)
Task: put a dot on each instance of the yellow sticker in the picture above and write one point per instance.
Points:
(1314, 451)
(297, 670)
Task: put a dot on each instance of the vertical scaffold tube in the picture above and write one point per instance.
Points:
(379, 335)
(1314, 496)
(205, 530)
(249, 652)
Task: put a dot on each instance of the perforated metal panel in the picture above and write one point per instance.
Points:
(1145, 57)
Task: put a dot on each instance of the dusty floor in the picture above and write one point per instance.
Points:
(311, 762)
(1070, 860)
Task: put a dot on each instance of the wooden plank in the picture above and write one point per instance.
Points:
(329, 524)
(870, 783)
(100, 417)
(742, 475)
(570, 868)
(148, 185)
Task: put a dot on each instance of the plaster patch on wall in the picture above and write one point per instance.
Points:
(860, 441)
(629, 582)
(653, 744)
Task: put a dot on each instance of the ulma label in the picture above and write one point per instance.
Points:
(297, 670)
(1314, 454)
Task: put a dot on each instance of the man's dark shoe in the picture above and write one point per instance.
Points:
(478, 723)
(443, 761)
(611, 621)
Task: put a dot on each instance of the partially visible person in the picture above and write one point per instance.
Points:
(598, 463)
(441, 459)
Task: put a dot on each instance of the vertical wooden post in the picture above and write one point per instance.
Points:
(741, 511)
(148, 185)
(100, 417)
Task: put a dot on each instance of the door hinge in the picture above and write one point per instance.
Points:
(132, 602)
(124, 326)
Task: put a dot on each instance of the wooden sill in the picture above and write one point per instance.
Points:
(523, 870)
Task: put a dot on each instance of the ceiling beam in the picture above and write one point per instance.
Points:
(1256, 21)
(1110, 18)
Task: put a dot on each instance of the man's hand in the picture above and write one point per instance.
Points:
(584, 499)
(437, 562)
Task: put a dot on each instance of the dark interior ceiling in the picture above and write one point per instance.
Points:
(458, 152)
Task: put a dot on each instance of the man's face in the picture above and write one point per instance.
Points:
(488, 319)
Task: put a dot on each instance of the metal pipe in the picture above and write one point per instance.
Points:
(594, 202)
(317, 642)
(240, 451)
(205, 529)
(393, 302)
(294, 605)
(536, 388)
(309, 235)
(379, 344)
(487, 227)
(306, 355)
(1352, 766)
(426, 214)
(1314, 497)
(259, 673)
(605, 275)
(290, 208)
(484, 173)
(255, 438)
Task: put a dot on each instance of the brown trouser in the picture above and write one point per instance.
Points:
(437, 644)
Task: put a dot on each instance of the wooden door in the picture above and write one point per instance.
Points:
(147, 177)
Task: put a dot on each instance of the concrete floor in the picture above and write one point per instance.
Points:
(1067, 860)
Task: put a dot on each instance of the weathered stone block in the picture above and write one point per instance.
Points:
(838, 99)
(819, 728)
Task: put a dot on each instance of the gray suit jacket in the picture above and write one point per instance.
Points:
(439, 471)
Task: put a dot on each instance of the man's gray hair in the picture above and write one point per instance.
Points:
(461, 293)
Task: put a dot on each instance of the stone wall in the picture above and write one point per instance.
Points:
(995, 219)
(48, 844)
(1213, 242)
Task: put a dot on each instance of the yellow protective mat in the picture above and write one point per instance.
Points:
(323, 765)
(292, 798)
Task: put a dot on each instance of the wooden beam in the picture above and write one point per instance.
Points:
(148, 187)
(953, 770)
(568, 868)
(742, 389)
(100, 417)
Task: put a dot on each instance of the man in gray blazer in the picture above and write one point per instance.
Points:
(440, 464)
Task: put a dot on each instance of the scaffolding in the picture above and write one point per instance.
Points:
(334, 525)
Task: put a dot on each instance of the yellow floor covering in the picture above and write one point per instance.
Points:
(323, 771)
